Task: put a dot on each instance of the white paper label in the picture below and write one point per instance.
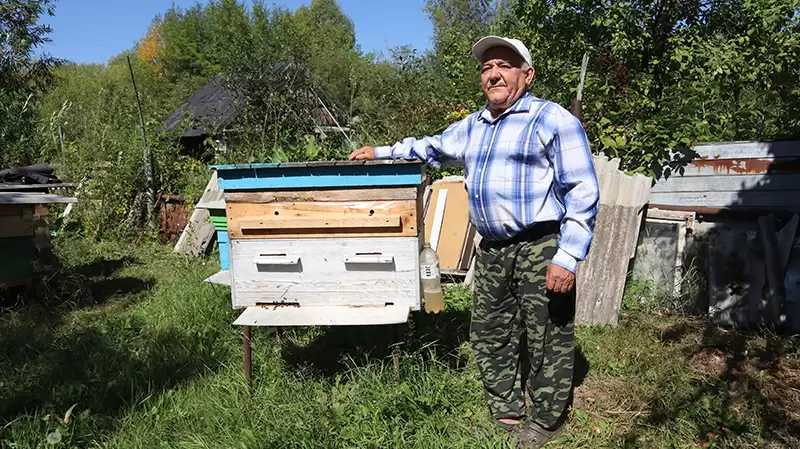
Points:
(429, 271)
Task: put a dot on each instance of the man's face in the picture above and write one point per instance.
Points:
(502, 78)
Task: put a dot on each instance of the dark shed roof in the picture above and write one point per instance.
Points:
(209, 110)
(213, 107)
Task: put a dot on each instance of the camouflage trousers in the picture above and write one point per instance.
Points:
(521, 333)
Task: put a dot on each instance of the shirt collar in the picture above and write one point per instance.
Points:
(523, 104)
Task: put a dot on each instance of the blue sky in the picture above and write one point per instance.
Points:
(86, 31)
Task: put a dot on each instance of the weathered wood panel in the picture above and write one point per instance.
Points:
(367, 219)
(326, 271)
(731, 199)
(761, 182)
(34, 198)
(737, 166)
(322, 316)
(199, 231)
(730, 150)
(740, 175)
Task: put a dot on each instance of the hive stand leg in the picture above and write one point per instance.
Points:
(248, 368)
(278, 336)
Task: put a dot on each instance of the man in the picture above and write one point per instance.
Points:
(533, 197)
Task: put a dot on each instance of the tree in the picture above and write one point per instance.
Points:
(23, 77)
(666, 74)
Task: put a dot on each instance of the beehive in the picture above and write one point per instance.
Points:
(325, 243)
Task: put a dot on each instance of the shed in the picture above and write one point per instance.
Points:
(212, 110)
(727, 204)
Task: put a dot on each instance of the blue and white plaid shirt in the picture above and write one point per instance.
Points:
(532, 164)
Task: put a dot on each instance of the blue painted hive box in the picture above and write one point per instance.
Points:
(323, 243)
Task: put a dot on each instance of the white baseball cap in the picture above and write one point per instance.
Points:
(495, 41)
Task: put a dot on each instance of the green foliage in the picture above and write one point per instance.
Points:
(23, 78)
(664, 76)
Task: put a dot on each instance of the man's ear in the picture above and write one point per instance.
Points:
(529, 76)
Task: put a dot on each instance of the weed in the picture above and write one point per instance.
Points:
(127, 347)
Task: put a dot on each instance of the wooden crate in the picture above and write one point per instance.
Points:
(333, 243)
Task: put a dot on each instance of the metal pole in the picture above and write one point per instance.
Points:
(576, 107)
(147, 157)
(248, 368)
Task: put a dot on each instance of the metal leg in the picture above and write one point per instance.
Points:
(248, 368)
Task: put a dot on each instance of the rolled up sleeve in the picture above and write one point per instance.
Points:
(576, 186)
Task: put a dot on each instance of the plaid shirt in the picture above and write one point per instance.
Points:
(532, 164)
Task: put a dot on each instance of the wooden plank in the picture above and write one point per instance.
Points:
(23, 187)
(454, 224)
(199, 232)
(732, 183)
(350, 289)
(16, 228)
(324, 195)
(320, 223)
(742, 200)
(322, 316)
(733, 167)
(370, 215)
(438, 218)
(222, 277)
(322, 274)
(730, 150)
(41, 211)
(774, 276)
(468, 248)
(33, 198)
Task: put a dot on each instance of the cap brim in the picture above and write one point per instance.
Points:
(488, 42)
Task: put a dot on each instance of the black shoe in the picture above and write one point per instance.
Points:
(531, 435)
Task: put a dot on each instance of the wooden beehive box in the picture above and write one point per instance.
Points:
(324, 243)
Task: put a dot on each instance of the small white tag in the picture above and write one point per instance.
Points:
(429, 271)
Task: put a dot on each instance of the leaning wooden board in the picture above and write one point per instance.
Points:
(339, 237)
(447, 223)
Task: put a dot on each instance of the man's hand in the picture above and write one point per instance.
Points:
(559, 279)
(363, 154)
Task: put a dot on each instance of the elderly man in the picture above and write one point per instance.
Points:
(533, 198)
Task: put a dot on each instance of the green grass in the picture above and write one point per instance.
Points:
(143, 354)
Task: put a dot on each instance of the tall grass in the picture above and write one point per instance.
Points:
(127, 347)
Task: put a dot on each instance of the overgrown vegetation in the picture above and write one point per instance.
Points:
(661, 76)
(127, 347)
